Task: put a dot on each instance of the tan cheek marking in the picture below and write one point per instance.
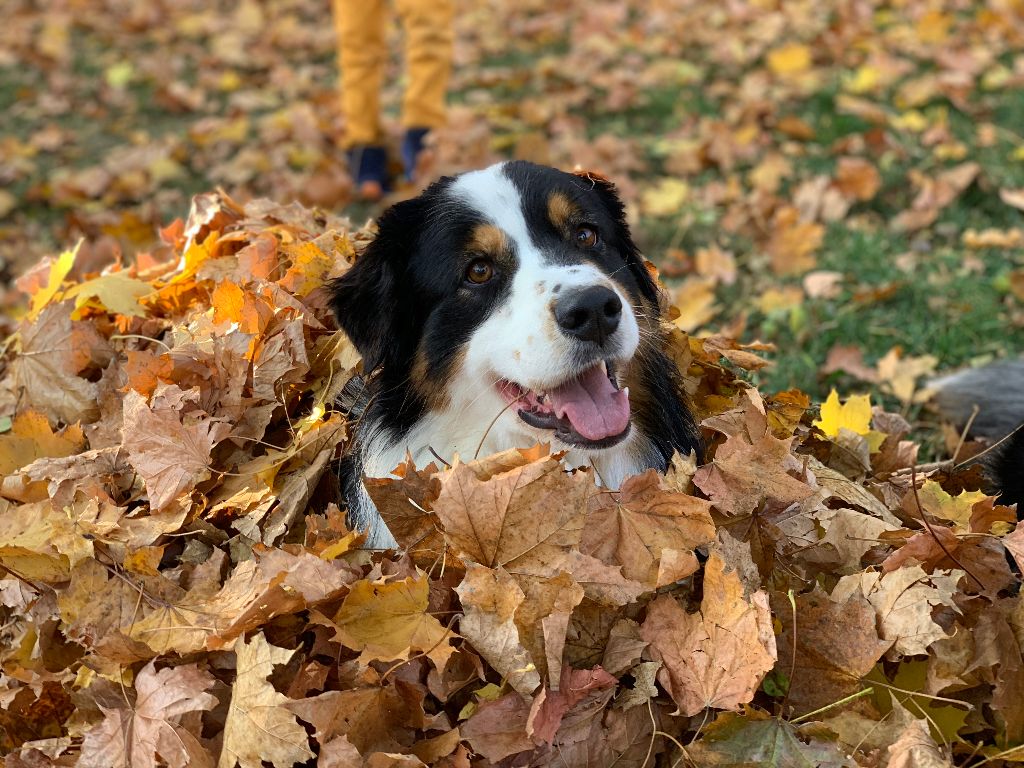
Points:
(487, 239)
(433, 390)
(561, 210)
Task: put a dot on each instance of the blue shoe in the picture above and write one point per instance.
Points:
(368, 163)
(412, 146)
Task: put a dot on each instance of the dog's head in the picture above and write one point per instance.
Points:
(514, 290)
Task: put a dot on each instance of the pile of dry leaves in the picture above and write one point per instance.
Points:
(178, 588)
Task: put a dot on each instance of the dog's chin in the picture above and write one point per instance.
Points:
(587, 411)
(573, 439)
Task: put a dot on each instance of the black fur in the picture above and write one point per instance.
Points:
(991, 398)
(1007, 470)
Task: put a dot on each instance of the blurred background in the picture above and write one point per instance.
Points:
(842, 179)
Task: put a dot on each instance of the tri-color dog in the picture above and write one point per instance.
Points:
(502, 308)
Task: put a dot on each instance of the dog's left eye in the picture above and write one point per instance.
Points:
(586, 237)
(479, 271)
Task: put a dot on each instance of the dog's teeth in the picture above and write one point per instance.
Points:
(604, 367)
(625, 391)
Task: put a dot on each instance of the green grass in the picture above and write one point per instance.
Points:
(953, 304)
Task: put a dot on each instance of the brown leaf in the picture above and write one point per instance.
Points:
(259, 728)
(498, 728)
(903, 602)
(915, 748)
(550, 706)
(857, 178)
(519, 514)
(372, 719)
(272, 583)
(148, 731)
(490, 599)
(836, 645)
(744, 474)
(46, 369)
(940, 548)
(406, 504)
(169, 449)
(634, 527)
(717, 657)
(793, 243)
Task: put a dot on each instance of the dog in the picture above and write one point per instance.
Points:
(997, 391)
(501, 308)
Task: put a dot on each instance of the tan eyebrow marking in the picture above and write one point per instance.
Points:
(561, 210)
(487, 238)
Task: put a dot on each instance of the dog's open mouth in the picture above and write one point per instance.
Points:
(589, 411)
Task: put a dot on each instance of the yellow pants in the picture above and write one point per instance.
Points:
(363, 57)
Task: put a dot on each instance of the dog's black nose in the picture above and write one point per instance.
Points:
(591, 314)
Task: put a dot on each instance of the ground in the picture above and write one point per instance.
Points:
(784, 165)
(842, 182)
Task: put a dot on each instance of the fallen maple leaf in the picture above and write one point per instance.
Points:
(389, 621)
(47, 365)
(744, 474)
(759, 740)
(717, 657)
(512, 512)
(258, 728)
(836, 644)
(148, 731)
(634, 528)
(903, 602)
(172, 456)
(490, 600)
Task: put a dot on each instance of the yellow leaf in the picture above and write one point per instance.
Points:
(899, 374)
(933, 26)
(865, 79)
(911, 120)
(665, 198)
(309, 268)
(32, 438)
(854, 415)
(789, 60)
(387, 621)
(58, 271)
(696, 301)
(956, 509)
(780, 299)
(345, 544)
(116, 293)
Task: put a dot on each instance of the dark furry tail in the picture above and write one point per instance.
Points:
(998, 392)
(1007, 470)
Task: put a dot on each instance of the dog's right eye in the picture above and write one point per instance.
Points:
(479, 271)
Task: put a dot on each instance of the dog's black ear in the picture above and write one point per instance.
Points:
(367, 300)
(605, 189)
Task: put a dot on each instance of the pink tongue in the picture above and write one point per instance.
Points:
(593, 406)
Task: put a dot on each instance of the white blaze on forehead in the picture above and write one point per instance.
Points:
(520, 340)
(493, 195)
